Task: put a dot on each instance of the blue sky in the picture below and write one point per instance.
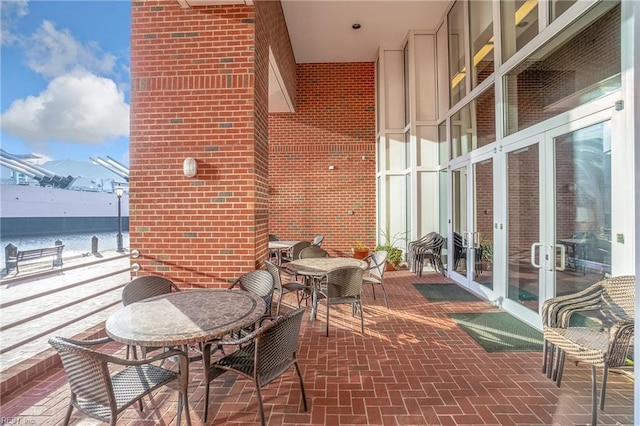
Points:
(64, 79)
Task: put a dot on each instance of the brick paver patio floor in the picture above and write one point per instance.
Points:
(412, 366)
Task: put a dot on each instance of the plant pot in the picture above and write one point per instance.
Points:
(360, 253)
(390, 267)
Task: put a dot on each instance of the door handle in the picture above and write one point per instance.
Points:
(563, 257)
(533, 255)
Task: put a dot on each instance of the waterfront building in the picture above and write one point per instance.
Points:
(509, 126)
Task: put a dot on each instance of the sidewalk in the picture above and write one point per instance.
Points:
(38, 304)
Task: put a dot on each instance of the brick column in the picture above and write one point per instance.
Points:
(193, 94)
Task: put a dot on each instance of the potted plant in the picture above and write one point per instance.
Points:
(360, 251)
(487, 255)
(394, 256)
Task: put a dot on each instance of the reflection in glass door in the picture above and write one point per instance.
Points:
(582, 207)
(483, 222)
(559, 221)
(523, 224)
(458, 263)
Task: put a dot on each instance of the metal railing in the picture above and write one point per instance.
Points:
(65, 301)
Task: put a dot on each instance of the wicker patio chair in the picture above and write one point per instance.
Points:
(260, 283)
(343, 286)
(312, 251)
(294, 252)
(141, 288)
(270, 352)
(607, 345)
(103, 395)
(282, 289)
(374, 274)
(317, 241)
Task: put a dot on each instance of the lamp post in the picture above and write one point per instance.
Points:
(119, 191)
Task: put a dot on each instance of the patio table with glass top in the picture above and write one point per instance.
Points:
(185, 318)
(315, 268)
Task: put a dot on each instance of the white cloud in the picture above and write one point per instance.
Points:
(76, 107)
(52, 53)
(11, 11)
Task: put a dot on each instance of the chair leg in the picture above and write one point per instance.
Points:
(373, 289)
(67, 417)
(327, 317)
(560, 367)
(260, 405)
(550, 367)
(384, 295)
(603, 391)
(594, 398)
(545, 354)
(279, 302)
(361, 318)
(304, 396)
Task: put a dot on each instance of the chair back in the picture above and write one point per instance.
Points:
(297, 248)
(317, 241)
(274, 270)
(141, 288)
(312, 251)
(86, 372)
(260, 283)
(276, 345)
(618, 299)
(345, 281)
(378, 263)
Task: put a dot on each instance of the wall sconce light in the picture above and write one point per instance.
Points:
(331, 167)
(190, 167)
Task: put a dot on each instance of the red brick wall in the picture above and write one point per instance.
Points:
(270, 12)
(334, 124)
(194, 95)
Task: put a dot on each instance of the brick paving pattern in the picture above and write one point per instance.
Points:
(412, 366)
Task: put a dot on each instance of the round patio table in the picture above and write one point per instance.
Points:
(184, 318)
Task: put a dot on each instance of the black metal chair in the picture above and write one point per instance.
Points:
(101, 393)
(263, 356)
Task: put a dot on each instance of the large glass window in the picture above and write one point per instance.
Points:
(558, 7)
(457, 65)
(481, 35)
(443, 146)
(578, 66)
(473, 126)
(519, 25)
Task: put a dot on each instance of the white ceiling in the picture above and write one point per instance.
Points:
(320, 30)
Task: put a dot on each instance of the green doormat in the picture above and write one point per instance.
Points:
(446, 293)
(500, 332)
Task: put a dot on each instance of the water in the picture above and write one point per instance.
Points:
(74, 244)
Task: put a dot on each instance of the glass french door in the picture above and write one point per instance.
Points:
(472, 222)
(558, 214)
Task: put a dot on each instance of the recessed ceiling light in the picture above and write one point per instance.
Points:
(356, 26)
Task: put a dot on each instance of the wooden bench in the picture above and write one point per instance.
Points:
(23, 256)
